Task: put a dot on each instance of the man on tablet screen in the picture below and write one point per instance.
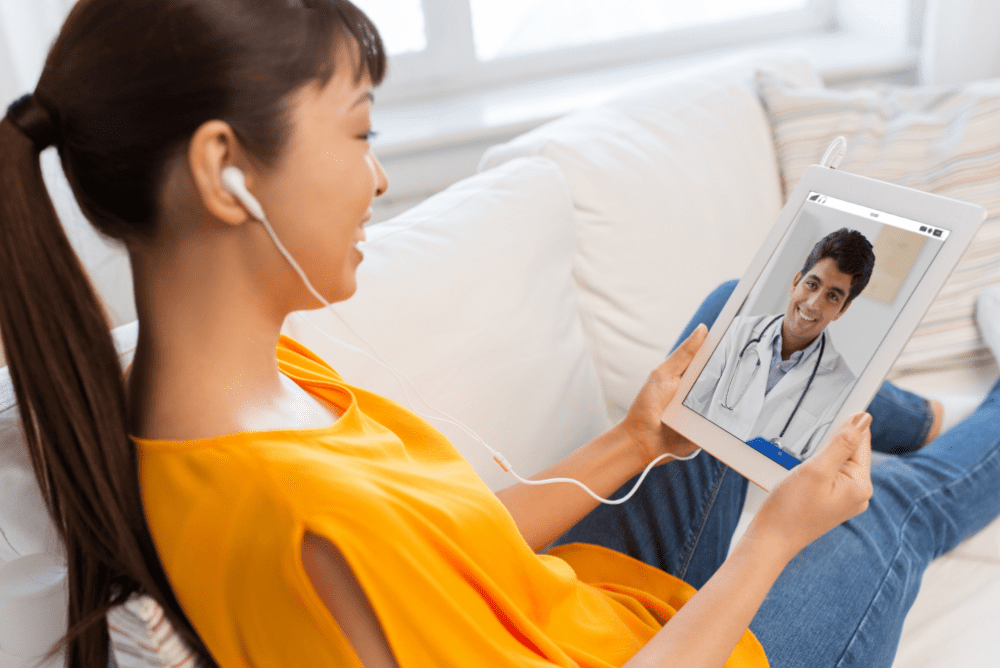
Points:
(780, 377)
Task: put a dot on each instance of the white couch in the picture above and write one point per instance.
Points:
(531, 300)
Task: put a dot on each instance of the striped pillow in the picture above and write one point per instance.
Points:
(141, 637)
(941, 140)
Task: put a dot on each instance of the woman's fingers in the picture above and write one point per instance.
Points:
(845, 445)
(665, 377)
(848, 463)
(643, 423)
(862, 456)
(682, 356)
(825, 491)
(859, 465)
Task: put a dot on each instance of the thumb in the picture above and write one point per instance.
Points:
(845, 444)
(682, 356)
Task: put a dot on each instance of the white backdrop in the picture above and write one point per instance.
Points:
(26, 32)
(960, 41)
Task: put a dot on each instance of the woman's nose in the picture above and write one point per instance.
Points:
(381, 180)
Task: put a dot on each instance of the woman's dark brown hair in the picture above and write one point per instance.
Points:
(125, 85)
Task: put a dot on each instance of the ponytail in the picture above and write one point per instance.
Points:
(72, 401)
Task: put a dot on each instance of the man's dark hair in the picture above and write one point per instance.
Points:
(853, 254)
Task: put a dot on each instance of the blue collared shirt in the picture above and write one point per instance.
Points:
(780, 367)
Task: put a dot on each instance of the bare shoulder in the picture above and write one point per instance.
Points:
(343, 596)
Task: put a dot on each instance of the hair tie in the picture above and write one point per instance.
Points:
(34, 121)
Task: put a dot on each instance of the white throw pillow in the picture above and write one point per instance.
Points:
(471, 296)
(25, 527)
(936, 139)
(142, 637)
(106, 261)
(674, 188)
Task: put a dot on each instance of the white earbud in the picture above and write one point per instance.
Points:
(236, 182)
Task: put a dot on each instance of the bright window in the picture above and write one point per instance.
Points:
(440, 47)
(400, 23)
(518, 27)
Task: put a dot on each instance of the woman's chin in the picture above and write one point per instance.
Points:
(346, 289)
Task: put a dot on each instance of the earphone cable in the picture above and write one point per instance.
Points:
(497, 456)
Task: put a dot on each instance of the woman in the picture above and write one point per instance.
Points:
(283, 517)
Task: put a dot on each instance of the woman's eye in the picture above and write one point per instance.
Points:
(368, 136)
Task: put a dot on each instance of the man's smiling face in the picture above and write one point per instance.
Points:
(817, 299)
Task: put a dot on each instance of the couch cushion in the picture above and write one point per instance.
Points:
(674, 188)
(32, 557)
(953, 621)
(940, 140)
(142, 637)
(25, 527)
(106, 260)
(470, 295)
(33, 605)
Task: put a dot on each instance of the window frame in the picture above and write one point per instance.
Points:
(449, 65)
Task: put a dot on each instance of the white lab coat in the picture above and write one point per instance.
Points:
(758, 415)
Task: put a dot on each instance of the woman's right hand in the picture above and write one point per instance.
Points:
(820, 493)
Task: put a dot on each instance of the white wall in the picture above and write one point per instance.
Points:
(27, 30)
(10, 87)
(960, 41)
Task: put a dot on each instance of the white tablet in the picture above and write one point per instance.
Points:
(815, 324)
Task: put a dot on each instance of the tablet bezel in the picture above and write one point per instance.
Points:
(961, 219)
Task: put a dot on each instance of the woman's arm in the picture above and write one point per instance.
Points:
(545, 512)
(339, 590)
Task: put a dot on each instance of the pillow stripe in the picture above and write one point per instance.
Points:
(142, 637)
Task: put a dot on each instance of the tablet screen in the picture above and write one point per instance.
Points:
(811, 324)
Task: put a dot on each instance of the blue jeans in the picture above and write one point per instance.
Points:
(842, 600)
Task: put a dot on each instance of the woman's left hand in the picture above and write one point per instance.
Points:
(642, 425)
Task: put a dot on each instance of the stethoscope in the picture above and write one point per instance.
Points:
(730, 405)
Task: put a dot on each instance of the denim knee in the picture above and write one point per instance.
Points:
(901, 420)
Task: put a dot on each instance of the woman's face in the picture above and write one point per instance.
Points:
(319, 195)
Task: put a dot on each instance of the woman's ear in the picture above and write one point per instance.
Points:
(212, 148)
